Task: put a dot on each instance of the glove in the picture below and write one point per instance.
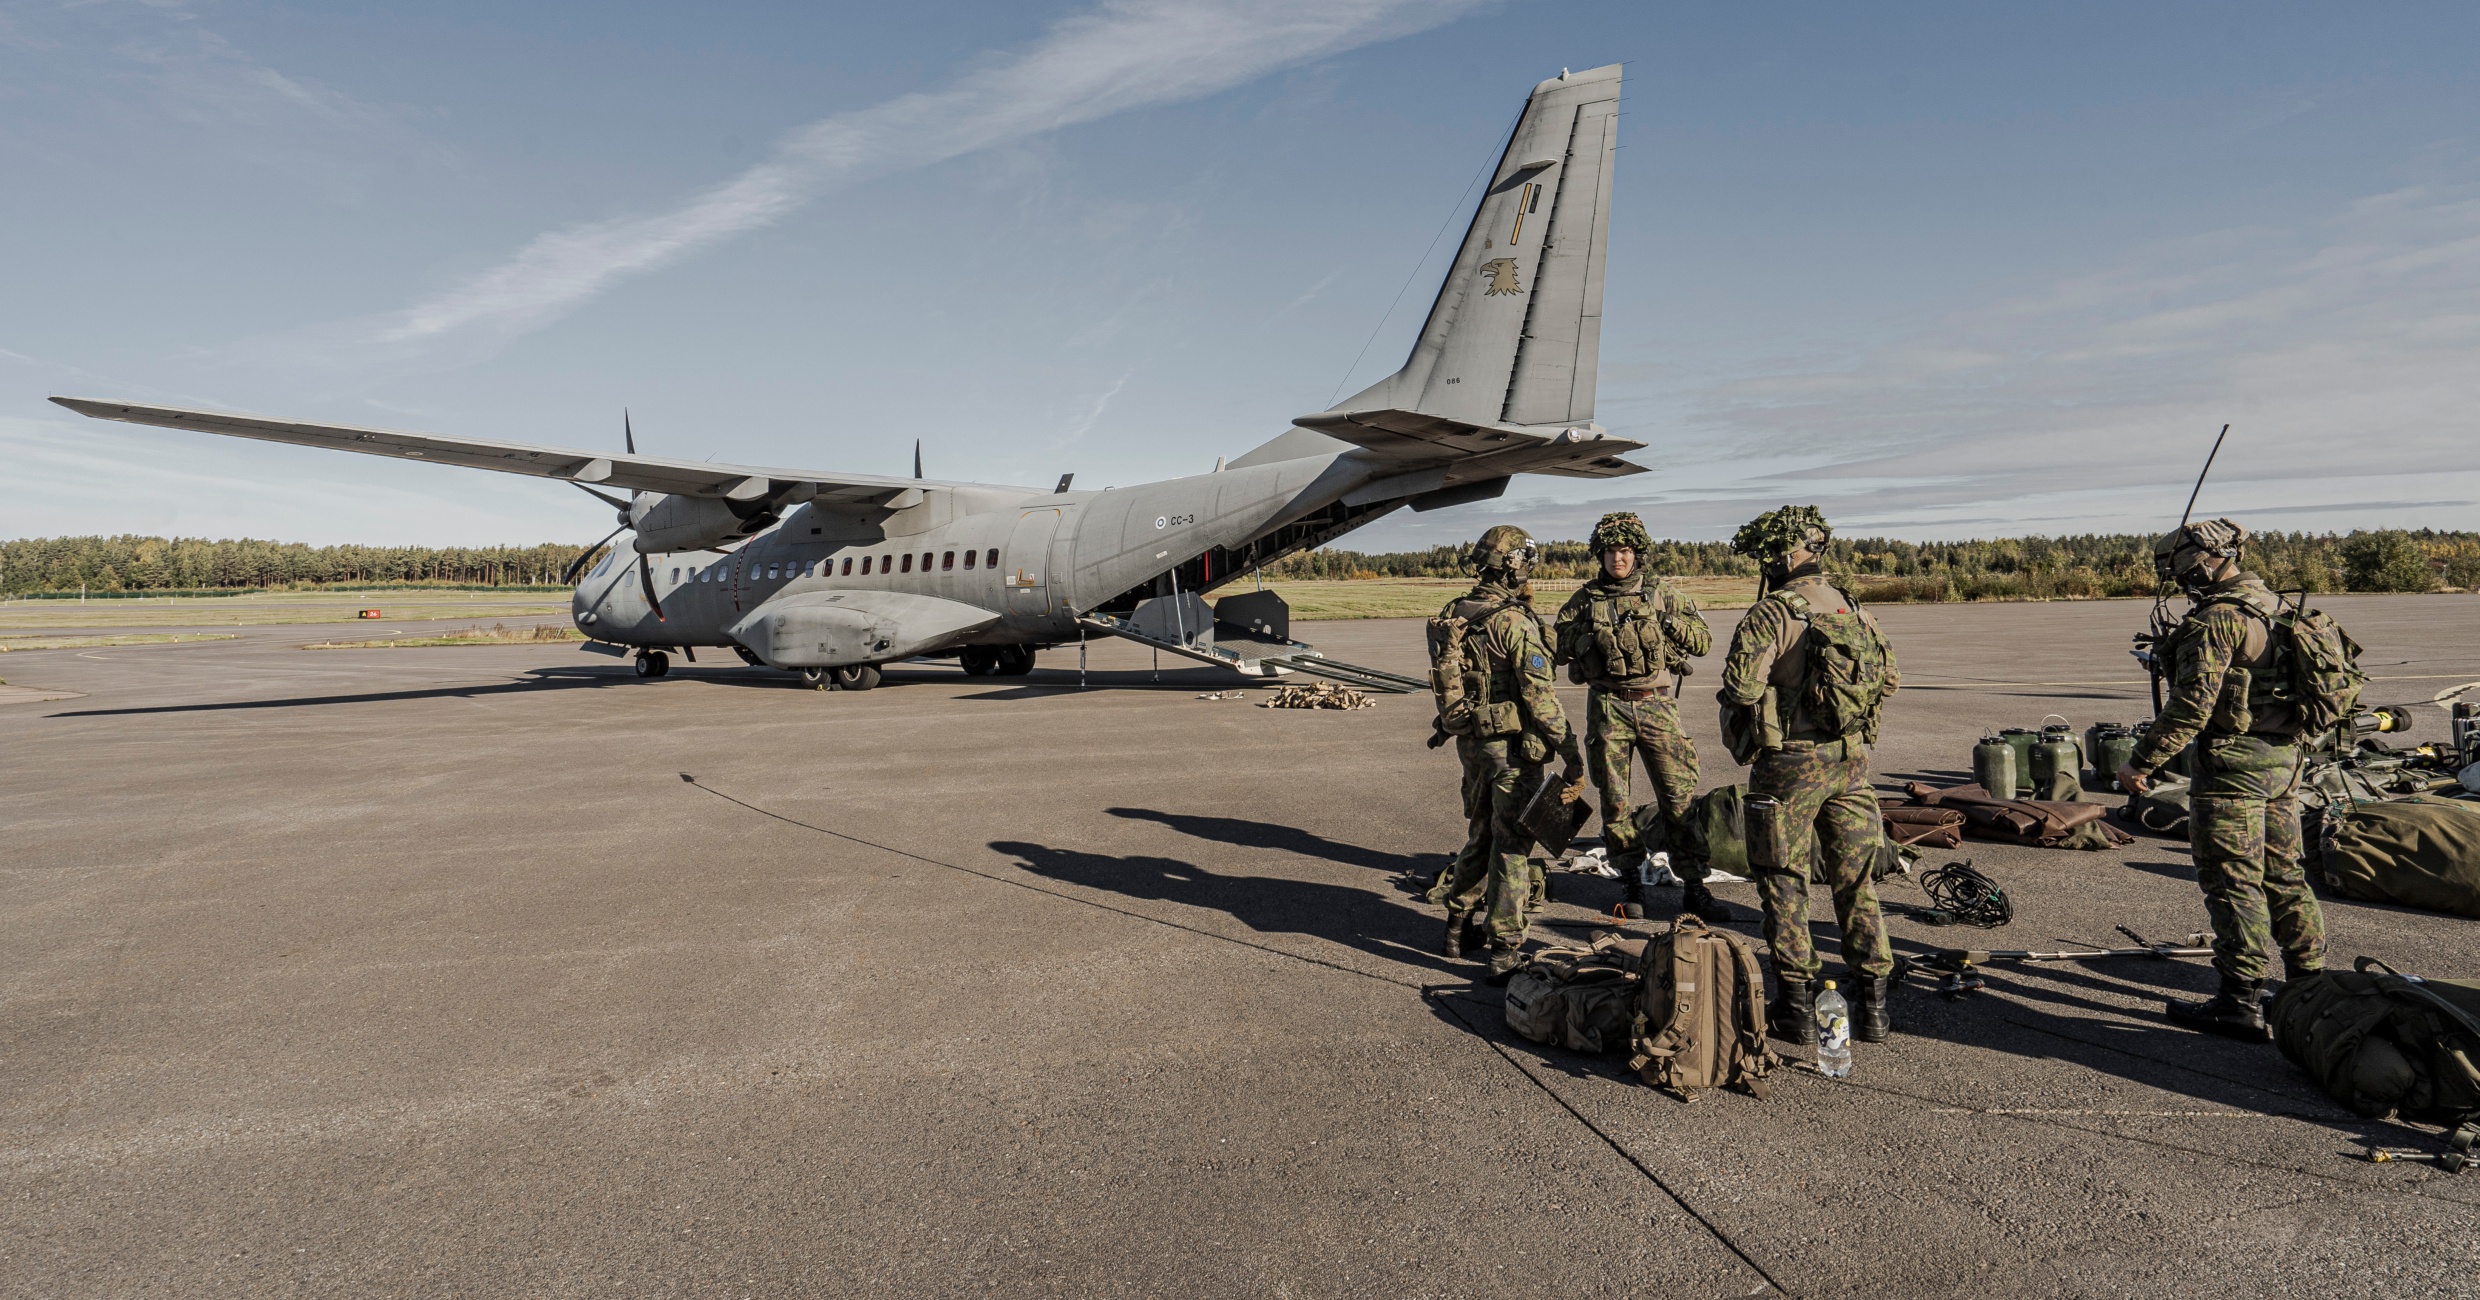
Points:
(1437, 737)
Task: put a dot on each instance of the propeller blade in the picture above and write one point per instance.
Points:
(568, 576)
(605, 497)
(645, 578)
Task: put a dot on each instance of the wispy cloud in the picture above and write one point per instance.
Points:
(1124, 54)
(2341, 350)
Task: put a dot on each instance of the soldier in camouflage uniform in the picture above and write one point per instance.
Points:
(1515, 726)
(1629, 638)
(2243, 818)
(1813, 759)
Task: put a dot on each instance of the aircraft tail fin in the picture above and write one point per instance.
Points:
(1515, 336)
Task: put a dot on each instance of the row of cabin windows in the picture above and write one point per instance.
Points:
(885, 564)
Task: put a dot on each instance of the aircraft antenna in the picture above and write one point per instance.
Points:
(916, 458)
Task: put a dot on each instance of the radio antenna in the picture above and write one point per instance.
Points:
(2208, 468)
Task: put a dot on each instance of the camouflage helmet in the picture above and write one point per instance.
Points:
(1621, 529)
(2192, 546)
(1498, 546)
(1777, 533)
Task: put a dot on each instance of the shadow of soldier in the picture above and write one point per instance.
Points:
(1287, 839)
(1354, 918)
(2078, 1014)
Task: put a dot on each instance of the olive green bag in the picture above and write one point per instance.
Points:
(2381, 1042)
(1582, 999)
(2419, 852)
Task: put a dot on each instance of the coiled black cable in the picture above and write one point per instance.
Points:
(1964, 896)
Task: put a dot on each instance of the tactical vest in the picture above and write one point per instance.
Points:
(1619, 638)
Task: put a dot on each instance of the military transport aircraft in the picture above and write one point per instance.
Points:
(832, 575)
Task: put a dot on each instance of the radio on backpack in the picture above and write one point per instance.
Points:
(1845, 684)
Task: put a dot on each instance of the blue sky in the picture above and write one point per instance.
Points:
(1946, 269)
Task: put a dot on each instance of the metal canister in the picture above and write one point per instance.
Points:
(2055, 753)
(2023, 739)
(1993, 766)
(2113, 747)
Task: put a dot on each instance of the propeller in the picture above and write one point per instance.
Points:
(628, 520)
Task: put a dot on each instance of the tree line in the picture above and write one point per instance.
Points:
(1885, 569)
(2085, 565)
(115, 564)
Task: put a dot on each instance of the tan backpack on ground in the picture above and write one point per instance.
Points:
(1700, 1020)
(1582, 999)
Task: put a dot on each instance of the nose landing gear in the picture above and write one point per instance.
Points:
(653, 663)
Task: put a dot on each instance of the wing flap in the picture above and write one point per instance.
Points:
(632, 473)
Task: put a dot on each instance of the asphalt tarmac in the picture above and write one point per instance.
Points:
(497, 971)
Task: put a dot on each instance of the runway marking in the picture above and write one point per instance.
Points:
(2120, 1114)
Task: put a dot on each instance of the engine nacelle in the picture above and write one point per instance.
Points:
(667, 523)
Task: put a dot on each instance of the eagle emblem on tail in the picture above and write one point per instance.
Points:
(1502, 273)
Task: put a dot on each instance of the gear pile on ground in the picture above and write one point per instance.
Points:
(1318, 695)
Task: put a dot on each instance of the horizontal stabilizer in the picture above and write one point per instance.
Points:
(1478, 451)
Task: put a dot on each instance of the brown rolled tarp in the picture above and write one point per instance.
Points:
(1916, 826)
(2039, 823)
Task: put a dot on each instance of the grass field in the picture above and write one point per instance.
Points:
(496, 634)
(263, 609)
(1422, 597)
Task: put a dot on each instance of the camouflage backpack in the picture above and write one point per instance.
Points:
(1458, 680)
(2316, 667)
(1846, 678)
(1582, 999)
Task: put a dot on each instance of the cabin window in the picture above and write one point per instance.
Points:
(969, 557)
(947, 561)
(847, 566)
(865, 566)
(701, 573)
(770, 570)
(925, 561)
(675, 575)
(908, 563)
(993, 561)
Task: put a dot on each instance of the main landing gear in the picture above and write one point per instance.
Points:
(653, 663)
(859, 677)
(996, 660)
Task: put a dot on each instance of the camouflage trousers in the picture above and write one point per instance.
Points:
(1615, 731)
(1492, 870)
(2243, 824)
(1829, 818)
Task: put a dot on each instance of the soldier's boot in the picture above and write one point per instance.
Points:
(1632, 898)
(2235, 1012)
(1454, 945)
(1792, 1015)
(1504, 959)
(1696, 898)
(1869, 1021)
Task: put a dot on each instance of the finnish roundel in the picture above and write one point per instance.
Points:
(1162, 521)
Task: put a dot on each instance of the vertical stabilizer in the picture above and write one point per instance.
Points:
(1515, 336)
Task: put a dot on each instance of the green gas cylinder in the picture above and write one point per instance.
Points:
(2113, 747)
(1993, 766)
(2023, 739)
(2055, 755)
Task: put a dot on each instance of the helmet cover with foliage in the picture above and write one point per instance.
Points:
(2189, 551)
(1498, 546)
(1777, 533)
(1621, 529)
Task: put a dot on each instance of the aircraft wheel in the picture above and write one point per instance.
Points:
(859, 677)
(1015, 660)
(818, 679)
(653, 663)
(979, 660)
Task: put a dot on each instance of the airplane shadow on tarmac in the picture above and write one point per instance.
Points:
(1353, 918)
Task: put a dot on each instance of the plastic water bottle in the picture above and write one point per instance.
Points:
(1833, 1034)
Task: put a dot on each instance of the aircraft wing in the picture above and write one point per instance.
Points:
(626, 472)
(1476, 451)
